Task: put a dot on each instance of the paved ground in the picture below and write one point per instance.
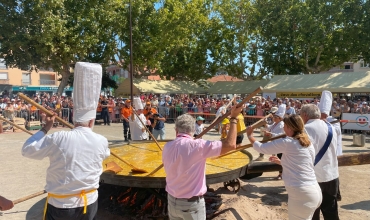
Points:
(21, 176)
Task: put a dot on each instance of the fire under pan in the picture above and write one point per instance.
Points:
(146, 155)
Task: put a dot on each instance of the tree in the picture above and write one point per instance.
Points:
(56, 33)
(306, 36)
(232, 36)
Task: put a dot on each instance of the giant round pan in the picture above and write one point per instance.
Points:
(146, 155)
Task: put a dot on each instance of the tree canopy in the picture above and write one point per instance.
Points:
(186, 39)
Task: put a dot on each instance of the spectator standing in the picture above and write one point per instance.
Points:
(259, 108)
(155, 102)
(199, 126)
(365, 108)
(157, 123)
(355, 109)
(289, 110)
(105, 111)
(111, 106)
(126, 113)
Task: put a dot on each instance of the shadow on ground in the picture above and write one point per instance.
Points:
(363, 205)
(36, 211)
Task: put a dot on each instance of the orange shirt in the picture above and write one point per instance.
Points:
(99, 107)
(126, 112)
(145, 112)
(33, 108)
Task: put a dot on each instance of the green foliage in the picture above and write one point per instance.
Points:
(306, 36)
(186, 39)
(56, 33)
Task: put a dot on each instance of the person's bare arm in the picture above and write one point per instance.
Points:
(229, 143)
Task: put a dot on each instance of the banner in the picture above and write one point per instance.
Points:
(298, 94)
(362, 124)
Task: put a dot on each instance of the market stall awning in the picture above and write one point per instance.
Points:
(158, 87)
(334, 82)
(238, 87)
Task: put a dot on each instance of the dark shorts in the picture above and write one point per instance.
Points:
(239, 138)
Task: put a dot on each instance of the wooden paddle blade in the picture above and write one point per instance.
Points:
(113, 167)
(137, 170)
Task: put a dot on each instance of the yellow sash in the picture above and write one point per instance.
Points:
(81, 194)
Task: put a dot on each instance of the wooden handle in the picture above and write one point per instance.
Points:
(29, 197)
(227, 106)
(15, 125)
(156, 170)
(42, 108)
(228, 113)
(135, 169)
(250, 145)
(150, 133)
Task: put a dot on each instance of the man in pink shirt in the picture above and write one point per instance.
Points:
(184, 161)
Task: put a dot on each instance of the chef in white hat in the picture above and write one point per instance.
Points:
(277, 128)
(138, 131)
(75, 156)
(325, 105)
(326, 102)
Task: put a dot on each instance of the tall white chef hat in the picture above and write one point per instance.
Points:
(281, 111)
(326, 102)
(86, 90)
(138, 104)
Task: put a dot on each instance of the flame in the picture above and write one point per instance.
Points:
(148, 204)
(133, 200)
(125, 199)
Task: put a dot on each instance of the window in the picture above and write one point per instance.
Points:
(364, 64)
(2, 64)
(3, 75)
(26, 79)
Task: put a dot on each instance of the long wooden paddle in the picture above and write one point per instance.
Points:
(255, 92)
(15, 125)
(246, 99)
(42, 108)
(249, 145)
(28, 197)
(134, 169)
(226, 107)
(111, 166)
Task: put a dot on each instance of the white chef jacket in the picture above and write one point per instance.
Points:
(136, 128)
(327, 169)
(297, 161)
(339, 134)
(76, 159)
(276, 129)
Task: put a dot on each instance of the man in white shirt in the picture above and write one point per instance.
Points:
(75, 156)
(326, 169)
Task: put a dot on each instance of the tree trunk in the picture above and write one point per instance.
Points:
(65, 76)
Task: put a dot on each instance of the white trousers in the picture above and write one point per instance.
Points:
(303, 201)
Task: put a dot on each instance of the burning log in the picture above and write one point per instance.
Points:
(145, 203)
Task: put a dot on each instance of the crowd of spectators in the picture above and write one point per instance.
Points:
(168, 106)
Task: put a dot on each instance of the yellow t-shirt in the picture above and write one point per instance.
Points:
(240, 126)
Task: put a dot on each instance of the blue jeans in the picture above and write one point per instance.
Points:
(160, 133)
(179, 209)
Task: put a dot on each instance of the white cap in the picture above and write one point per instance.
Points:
(137, 103)
(281, 111)
(86, 90)
(326, 102)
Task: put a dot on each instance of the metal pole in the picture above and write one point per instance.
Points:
(131, 59)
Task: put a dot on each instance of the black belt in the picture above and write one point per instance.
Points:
(194, 198)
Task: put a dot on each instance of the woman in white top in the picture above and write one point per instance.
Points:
(297, 161)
